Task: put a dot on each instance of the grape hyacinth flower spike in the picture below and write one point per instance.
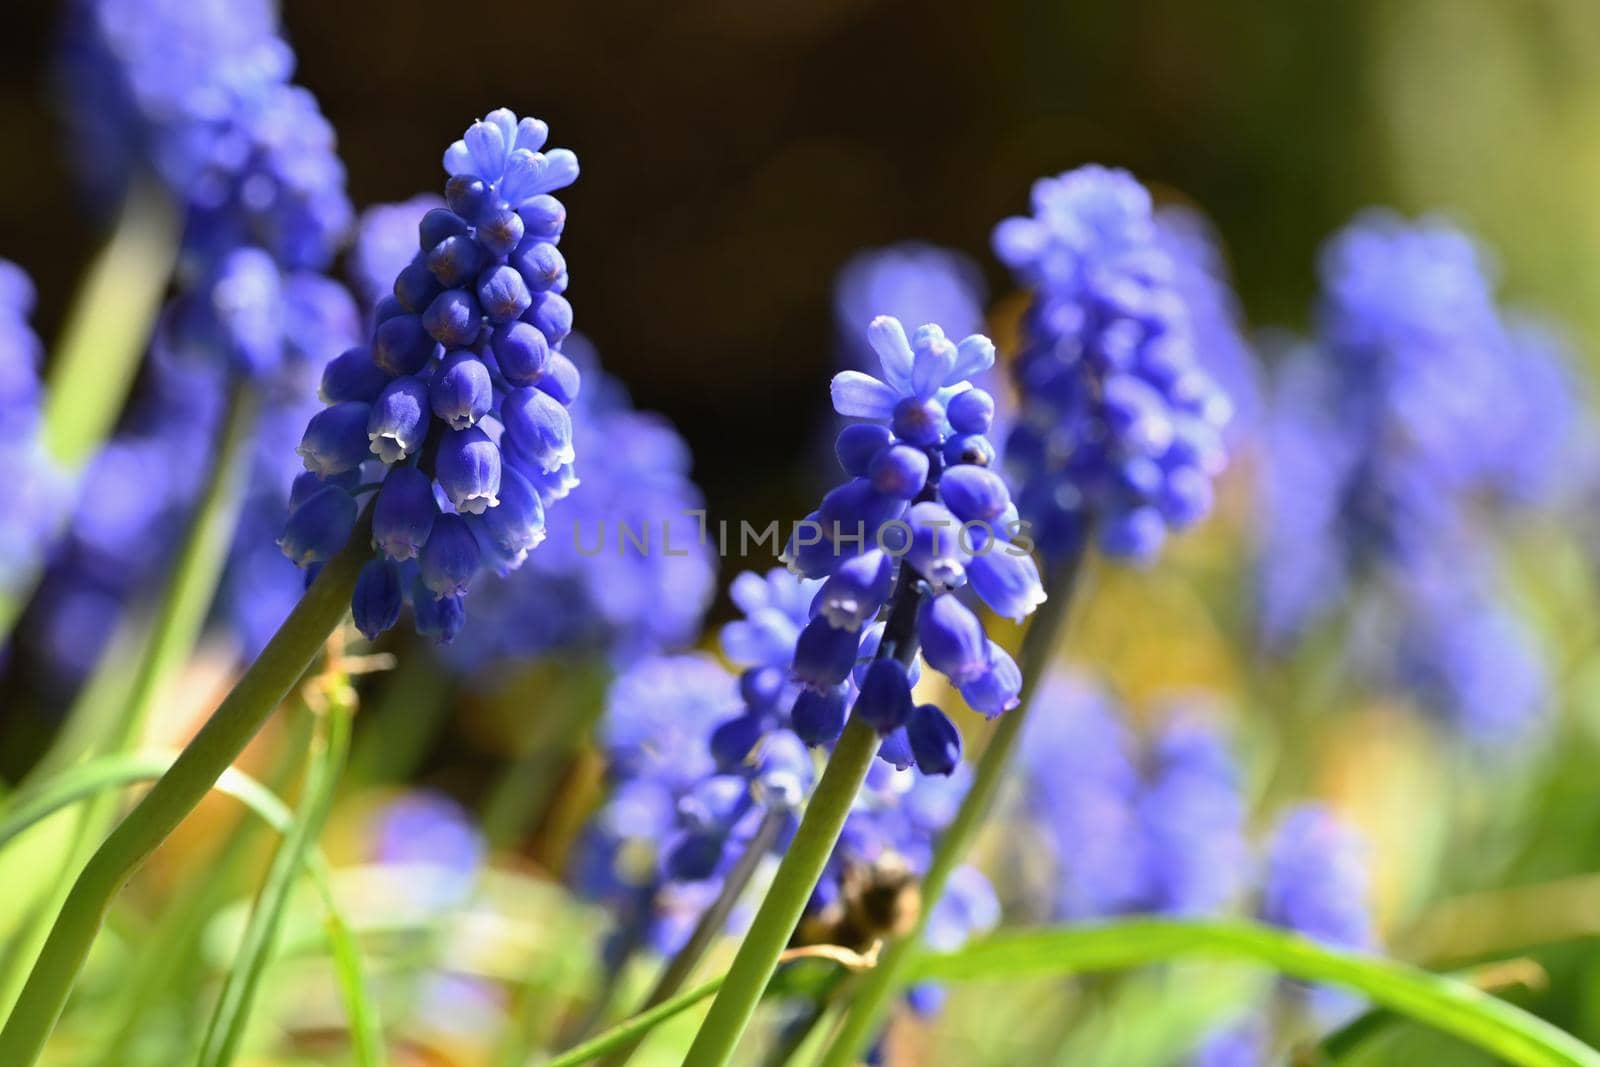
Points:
(455, 411)
(1119, 427)
(1117, 434)
(921, 516)
(921, 495)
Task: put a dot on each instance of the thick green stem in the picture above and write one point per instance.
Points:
(870, 1000)
(179, 791)
(180, 614)
(711, 925)
(786, 900)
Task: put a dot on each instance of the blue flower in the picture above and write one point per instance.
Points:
(37, 493)
(1157, 828)
(1118, 425)
(138, 491)
(1396, 440)
(465, 429)
(199, 93)
(915, 510)
(385, 244)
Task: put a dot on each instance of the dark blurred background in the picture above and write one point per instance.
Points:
(736, 154)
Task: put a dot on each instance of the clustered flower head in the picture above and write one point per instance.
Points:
(1128, 828)
(198, 92)
(922, 511)
(457, 405)
(1396, 436)
(1118, 426)
(676, 821)
(1158, 827)
(33, 484)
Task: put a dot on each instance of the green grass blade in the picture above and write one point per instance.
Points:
(225, 1031)
(635, 1028)
(1447, 1004)
(115, 772)
(107, 328)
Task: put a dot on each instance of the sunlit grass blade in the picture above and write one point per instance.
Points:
(117, 772)
(330, 746)
(1448, 1004)
(635, 1028)
(108, 327)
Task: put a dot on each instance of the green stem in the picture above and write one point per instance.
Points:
(329, 747)
(711, 924)
(786, 900)
(191, 586)
(802, 865)
(637, 1027)
(179, 791)
(870, 1000)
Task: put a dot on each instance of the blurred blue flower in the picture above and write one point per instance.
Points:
(198, 93)
(625, 573)
(1118, 426)
(1125, 830)
(654, 734)
(1469, 658)
(1315, 882)
(135, 497)
(1396, 442)
(38, 494)
(1203, 280)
